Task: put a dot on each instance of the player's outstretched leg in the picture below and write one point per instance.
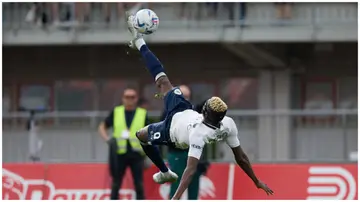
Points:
(153, 64)
(152, 151)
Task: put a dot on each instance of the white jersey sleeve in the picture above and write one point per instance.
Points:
(232, 140)
(196, 143)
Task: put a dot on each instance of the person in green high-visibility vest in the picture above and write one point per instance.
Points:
(178, 158)
(125, 148)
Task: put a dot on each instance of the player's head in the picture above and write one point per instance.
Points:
(214, 111)
(130, 98)
(185, 91)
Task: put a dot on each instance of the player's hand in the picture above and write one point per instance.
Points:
(263, 186)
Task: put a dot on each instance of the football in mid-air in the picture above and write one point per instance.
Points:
(146, 21)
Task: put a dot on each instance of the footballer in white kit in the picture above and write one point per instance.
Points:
(183, 127)
(187, 130)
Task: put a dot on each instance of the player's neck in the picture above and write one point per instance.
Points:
(212, 126)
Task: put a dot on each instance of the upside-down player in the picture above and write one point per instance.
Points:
(185, 128)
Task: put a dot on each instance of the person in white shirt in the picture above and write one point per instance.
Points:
(35, 143)
(183, 127)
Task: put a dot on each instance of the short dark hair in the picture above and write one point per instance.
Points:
(130, 88)
(214, 111)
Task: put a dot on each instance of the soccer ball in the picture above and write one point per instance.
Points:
(146, 21)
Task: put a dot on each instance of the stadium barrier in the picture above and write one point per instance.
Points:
(306, 128)
(257, 14)
(86, 119)
(223, 181)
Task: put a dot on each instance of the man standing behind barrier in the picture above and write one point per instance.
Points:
(178, 159)
(125, 149)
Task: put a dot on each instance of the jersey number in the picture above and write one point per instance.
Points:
(157, 135)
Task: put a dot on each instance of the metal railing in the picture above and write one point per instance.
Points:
(326, 135)
(12, 119)
(180, 15)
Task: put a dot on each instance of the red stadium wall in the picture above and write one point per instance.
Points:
(223, 181)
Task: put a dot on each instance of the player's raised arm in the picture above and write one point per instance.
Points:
(195, 151)
(153, 64)
(242, 160)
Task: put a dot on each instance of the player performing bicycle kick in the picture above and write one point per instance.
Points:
(183, 127)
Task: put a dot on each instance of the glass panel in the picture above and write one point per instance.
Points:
(6, 105)
(348, 93)
(75, 95)
(35, 97)
(319, 95)
(110, 92)
(296, 93)
(348, 99)
(240, 93)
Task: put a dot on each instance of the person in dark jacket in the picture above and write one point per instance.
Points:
(178, 158)
(125, 149)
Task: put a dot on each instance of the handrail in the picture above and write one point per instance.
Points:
(283, 112)
(319, 16)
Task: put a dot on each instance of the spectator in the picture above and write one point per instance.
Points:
(107, 11)
(134, 7)
(190, 11)
(68, 11)
(35, 143)
(242, 11)
(125, 149)
(31, 14)
(183, 7)
(37, 15)
(212, 9)
(82, 11)
(55, 13)
(230, 9)
(283, 10)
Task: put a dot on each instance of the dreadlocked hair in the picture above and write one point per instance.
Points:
(216, 104)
